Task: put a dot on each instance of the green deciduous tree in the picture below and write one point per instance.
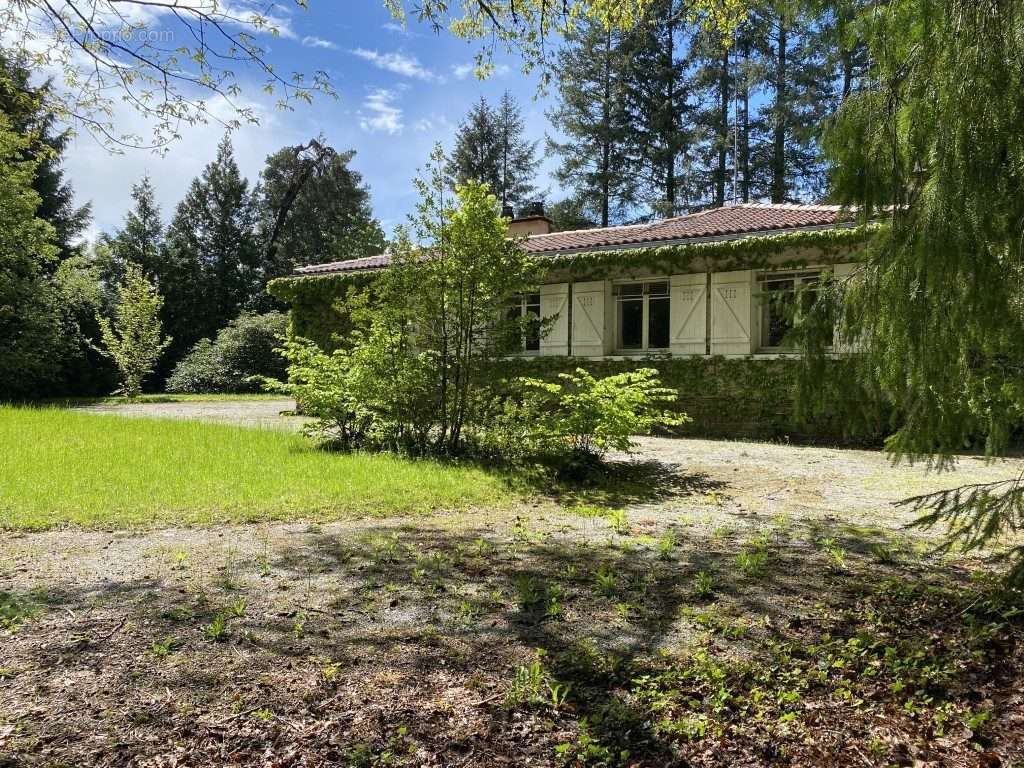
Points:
(134, 338)
(454, 298)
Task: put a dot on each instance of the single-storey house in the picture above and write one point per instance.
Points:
(708, 283)
(701, 297)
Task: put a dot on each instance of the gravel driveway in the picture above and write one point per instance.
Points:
(262, 412)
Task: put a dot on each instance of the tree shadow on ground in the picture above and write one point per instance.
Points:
(400, 607)
(624, 483)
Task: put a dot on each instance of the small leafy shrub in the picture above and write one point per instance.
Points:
(161, 648)
(245, 348)
(14, 610)
(588, 416)
(606, 581)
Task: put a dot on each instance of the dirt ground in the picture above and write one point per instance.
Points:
(737, 604)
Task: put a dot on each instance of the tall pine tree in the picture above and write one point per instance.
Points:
(596, 163)
(490, 147)
(141, 240)
(658, 100)
(476, 156)
(518, 155)
(30, 116)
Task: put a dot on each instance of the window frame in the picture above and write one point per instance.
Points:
(807, 276)
(522, 305)
(645, 295)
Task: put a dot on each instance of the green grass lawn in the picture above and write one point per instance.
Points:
(58, 467)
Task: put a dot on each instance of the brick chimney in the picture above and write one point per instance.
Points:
(530, 221)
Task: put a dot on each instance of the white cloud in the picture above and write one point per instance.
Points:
(380, 113)
(462, 71)
(105, 179)
(436, 124)
(318, 42)
(255, 16)
(399, 29)
(399, 64)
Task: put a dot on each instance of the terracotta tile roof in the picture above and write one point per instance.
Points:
(713, 223)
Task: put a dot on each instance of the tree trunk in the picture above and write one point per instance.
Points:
(723, 130)
(670, 122)
(744, 158)
(778, 189)
(606, 124)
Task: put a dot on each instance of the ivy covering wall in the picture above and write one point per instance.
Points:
(739, 397)
(725, 397)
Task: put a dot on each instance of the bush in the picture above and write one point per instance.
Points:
(246, 347)
(585, 416)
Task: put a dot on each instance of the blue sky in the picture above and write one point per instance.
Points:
(399, 91)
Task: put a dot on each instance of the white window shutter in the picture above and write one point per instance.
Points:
(554, 303)
(589, 326)
(732, 313)
(688, 314)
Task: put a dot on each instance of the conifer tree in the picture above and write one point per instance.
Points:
(141, 240)
(476, 155)
(518, 155)
(32, 330)
(28, 109)
(490, 148)
(658, 100)
(596, 164)
(933, 148)
(213, 270)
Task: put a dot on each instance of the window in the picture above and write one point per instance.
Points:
(780, 294)
(642, 315)
(525, 312)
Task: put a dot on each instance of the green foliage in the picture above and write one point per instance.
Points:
(141, 240)
(933, 144)
(589, 416)
(217, 629)
(245, 348)
(213, 270)
(316, 314)
(490, 149)
(592, 114)
(703, 585)
(32, 113)
(134, 340)
(32, 326)
(325, 205)
(411, 374)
